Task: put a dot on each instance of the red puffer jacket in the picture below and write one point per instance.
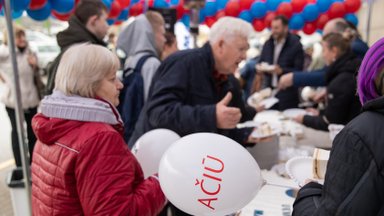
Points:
(85, 168)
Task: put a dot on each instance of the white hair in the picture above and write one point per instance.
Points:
(228, 27)
(83, 67)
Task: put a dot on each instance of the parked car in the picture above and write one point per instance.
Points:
(46, 53)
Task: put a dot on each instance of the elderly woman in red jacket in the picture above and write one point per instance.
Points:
(81, 165)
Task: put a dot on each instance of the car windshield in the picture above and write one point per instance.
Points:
(48, 48)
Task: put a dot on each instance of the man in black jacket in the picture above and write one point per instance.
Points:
(195, 90)
(88, 24)
(285, 52)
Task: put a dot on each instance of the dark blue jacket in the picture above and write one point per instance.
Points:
(290, 59)
(317, 77)
(184, 94)
(248, 73)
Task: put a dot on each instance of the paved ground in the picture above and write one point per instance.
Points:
(6, 163)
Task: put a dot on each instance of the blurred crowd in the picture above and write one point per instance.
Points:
(91, 116)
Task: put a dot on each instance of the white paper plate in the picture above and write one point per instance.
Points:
(265, 67)
(274, 131)
(300, 169)
(268, 102)
(248, 124)
(292, 113)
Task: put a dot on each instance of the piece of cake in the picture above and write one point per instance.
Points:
(265, 129)
(320, 160)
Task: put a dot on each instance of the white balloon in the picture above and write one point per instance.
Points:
(209, 174)
(150, 147)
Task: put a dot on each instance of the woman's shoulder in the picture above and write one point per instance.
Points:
(101, 134)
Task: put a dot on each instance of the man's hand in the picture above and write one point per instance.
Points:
(227, 117)
(278, 70)
(286, 81)
(299, 119)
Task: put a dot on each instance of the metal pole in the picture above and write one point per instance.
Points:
(18, 106)
(194, 25)
(370, 3)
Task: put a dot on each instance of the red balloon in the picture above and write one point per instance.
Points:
(322, 20)
(352, 5)
(309, 28)
(136, 9)
(115, 10)
(268, 19)
(311, 1)
(117, 22)
(285, 9)
(180, 11)
(220, 14)
(245, 4)
(37, 4)
(258, 25)
(298, 5)
(209, 21)
(336, 10)
(150, 2)
(123, 3)
(62, 17)
(232, 8)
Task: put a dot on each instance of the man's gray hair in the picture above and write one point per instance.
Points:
(228, 27)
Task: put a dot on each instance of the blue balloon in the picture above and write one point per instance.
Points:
(174, 2)
(186, 20)
(310, 12)
(220, 4)
(19, 5)
(338, 0)
(324, 5)
(62, 6)
(14, 14)
(110, 21)
(296, 22)
(108, 3)
(210, 8)
(352, 18)
(160, 4)
(123, 15)
(273, 4)
(40, 14)
(258, 9)
(201, 16)
(286, 1)
(246, 15)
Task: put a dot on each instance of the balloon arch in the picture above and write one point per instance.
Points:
(305, 15)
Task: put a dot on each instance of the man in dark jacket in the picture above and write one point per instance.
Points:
(88, 24)
(354, 181)
(195, 91)
(285, 51)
